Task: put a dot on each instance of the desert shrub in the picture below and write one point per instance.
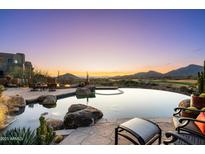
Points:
(128, 83)
(24, 136)
(18, 136)
(202, 95)
(39, 76)
(191, 108)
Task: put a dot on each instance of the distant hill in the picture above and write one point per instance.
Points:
(183, 72)
(150, 74)
(141, 75)
(190, 70)
(67, 76)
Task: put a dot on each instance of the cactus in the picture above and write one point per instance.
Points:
(201, 81)
(204, 78)
(45, 134)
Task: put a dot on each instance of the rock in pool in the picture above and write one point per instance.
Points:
(47, 100)
(84, 92)
(80, 115)
(55, 124)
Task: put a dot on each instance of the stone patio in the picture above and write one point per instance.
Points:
(102, 133)
(27, 94)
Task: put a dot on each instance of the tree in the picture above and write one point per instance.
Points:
(17, 72)
(39, 76)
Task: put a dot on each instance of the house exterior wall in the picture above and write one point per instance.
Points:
(8, 61)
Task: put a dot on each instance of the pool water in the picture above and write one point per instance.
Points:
(115, 104)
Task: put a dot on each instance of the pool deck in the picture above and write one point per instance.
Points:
(102, 133)
(31, 96)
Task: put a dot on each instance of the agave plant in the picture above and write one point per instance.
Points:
(18, 136)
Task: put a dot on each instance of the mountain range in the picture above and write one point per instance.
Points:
(189, 71)
(183, 72)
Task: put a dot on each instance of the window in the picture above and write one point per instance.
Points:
(10, 61)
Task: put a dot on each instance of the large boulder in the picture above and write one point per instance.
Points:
(76, 107)
(83, 91)
(91, 87)
(80, 115)
(14, 111)
(17, 101)
(49, 106)
(56, 124)
(47, 100)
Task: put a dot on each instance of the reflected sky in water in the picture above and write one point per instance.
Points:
(134, 102)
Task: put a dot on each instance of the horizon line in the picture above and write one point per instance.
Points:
(109, 74)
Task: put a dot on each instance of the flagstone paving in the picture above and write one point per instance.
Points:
(102, 133)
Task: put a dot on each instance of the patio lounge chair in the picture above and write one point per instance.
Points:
(147, 132)
(186, 130)
(183, 138)
(185, 123)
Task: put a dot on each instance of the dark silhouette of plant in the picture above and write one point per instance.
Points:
(201, 81)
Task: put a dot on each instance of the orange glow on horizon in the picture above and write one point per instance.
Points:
(164, 69)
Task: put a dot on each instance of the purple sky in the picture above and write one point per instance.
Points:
(105, 42)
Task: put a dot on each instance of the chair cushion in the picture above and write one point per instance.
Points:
(141, 127)
(200, 125)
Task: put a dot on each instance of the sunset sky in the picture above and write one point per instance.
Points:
(105, 42)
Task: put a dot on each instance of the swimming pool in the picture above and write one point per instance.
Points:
(115, 104)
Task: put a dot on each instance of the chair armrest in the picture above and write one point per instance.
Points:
(177, 111)
(183, 109)
(174, 136)
(180, 109)
(181, 119)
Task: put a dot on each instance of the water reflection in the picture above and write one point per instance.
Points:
(133, 103)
